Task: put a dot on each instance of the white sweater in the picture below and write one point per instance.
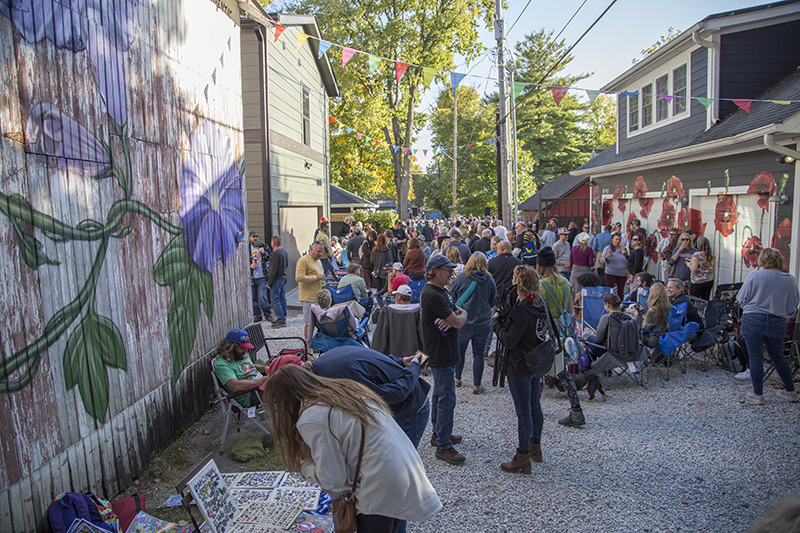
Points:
(392, 481)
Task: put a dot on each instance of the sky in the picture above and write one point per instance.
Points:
(605, 52)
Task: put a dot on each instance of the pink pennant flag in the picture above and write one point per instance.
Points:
(498, 138)
(667, 97)
(278, 30)
(400, 69)
(358, 135)
(405, 150)
(558, 93)
(347, 53)
(744, 104)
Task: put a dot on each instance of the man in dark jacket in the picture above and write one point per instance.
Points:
(484, 244)
(502, 269)
(354, 246)
(276, 281)
(455, 240)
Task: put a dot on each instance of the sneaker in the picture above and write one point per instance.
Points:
(458, 382)
(455, 439)
(279, 324)
(788, 396)
(477, 389)
(743, 376)
(574, 419)
(754, 399)
(450, 455)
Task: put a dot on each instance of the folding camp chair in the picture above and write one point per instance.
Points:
(345, 294)
(345, 259)
(625, 351)
(232, 407)
(641, 298)
(336, 333)
(416, 289)
(592, 307)
(260, 342)
(671, 341)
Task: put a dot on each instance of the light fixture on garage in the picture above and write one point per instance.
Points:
(685, 201)
(782, 199)
(787, 159)
(307, 165)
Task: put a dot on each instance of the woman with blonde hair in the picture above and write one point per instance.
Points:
(656, 320)
(453, 255)
(520, 330)
(702, 268)
(474, 291)
(319, 426)
(768, 296)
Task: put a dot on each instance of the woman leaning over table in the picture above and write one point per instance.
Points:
(317, 424)
(768, 296)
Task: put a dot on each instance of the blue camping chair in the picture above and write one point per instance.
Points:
(416, 289)
(345, 294)
(334, 334)
(671, 341)
(592, 306)
(641, 296)
(345, 259)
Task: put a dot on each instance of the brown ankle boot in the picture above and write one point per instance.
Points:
(521, 461)
(536, 452)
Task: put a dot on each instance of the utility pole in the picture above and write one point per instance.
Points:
(455, 149)
(499, 34)
(514, 140)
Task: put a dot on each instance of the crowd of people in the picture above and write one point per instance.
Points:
(481, 279)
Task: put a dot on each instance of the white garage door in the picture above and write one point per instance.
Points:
(297, 233)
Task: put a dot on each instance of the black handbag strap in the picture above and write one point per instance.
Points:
(360, 455)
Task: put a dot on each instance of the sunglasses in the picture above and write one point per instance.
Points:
(684, 239)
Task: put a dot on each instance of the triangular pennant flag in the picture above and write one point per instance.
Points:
(358, 135)
(744, 104)
(373, 63)
(558, 93)
(425, 152)
(278, 30)
(705, 101)
(301, 38)
(592, 94)
(400, 69)
(516, 88)
(349, 130)
(395, 148)
(498, 138)
(347, 53)
(331, 120)
(455, 79)
(405, 150)
(444, 150)
(377, 142)
(629, 94)
(323, 47)
(667, 97)
(490, 141)
(781, 102)
(427, 75)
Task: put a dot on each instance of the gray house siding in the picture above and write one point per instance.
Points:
(696, 121)
(754, 59)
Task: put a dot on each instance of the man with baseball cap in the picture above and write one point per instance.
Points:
(397, 278)
(235, 370)
(441, 320)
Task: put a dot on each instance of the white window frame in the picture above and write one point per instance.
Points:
(650, 79)
(305, 120)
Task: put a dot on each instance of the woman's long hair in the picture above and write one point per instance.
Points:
(453, 255)
(704, 245)
(611, 242)
(673, 243)
(659, 302)
(527, 281)
(477, 261)
(292, 389)
(380, 244)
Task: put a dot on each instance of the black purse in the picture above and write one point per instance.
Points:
(541, 357)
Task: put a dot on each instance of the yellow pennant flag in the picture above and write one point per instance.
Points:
(301, 38)
(427, 75)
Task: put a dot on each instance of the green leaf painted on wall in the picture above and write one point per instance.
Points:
(92, 346)
(190, 287)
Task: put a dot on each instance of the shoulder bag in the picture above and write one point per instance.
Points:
(541, 357)
(344, 509)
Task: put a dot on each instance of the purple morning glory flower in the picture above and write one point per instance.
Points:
(104, 28)
(212, 209)
(55, 134)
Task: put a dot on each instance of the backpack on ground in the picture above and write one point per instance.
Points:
(69, 506)
(565, 323)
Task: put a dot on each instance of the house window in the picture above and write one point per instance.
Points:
(647, 105)
(633, 104)
(306, 117)
(662, 104)
(679, 90)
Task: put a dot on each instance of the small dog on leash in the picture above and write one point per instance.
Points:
(591, 382)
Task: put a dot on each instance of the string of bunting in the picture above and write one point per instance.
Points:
(377, 142)
(517, 87)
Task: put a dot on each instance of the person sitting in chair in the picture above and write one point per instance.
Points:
(335, 322)
(640, 280)
(235, 370)
(676, 297)
(611, 303)
(402, 299)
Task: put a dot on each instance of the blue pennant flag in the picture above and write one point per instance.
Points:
(455, 79)
(323, 47)
(629, 94)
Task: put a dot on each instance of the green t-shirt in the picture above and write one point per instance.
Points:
(243, 369)
(557, 284)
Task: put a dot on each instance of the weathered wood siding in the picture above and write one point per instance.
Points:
(181, 81)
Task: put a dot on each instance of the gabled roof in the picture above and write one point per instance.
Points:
(739, 126)
(341, 197)
(553, 190)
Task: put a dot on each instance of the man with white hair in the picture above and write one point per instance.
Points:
(499, 229)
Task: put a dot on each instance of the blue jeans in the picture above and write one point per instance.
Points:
(260, 302)
(527, 394)
(478, 338)
(414, 425)
(278, 295)
(443, 404)
(759, 329)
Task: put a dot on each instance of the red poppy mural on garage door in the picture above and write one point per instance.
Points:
(726, 215)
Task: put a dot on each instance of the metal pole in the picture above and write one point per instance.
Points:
(514, 137)
(455, 149)
(499, 34)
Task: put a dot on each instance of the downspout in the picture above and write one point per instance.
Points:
(713, 75)
(263, 80)
(772, 146)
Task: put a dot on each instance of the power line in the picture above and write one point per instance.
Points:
(519, 17)
(554, 41)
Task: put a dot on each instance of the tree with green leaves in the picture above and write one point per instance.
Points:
(417, 32)
(661, 41)
(599, 123)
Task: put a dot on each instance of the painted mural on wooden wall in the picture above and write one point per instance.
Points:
(211, 204)
(674, 211)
